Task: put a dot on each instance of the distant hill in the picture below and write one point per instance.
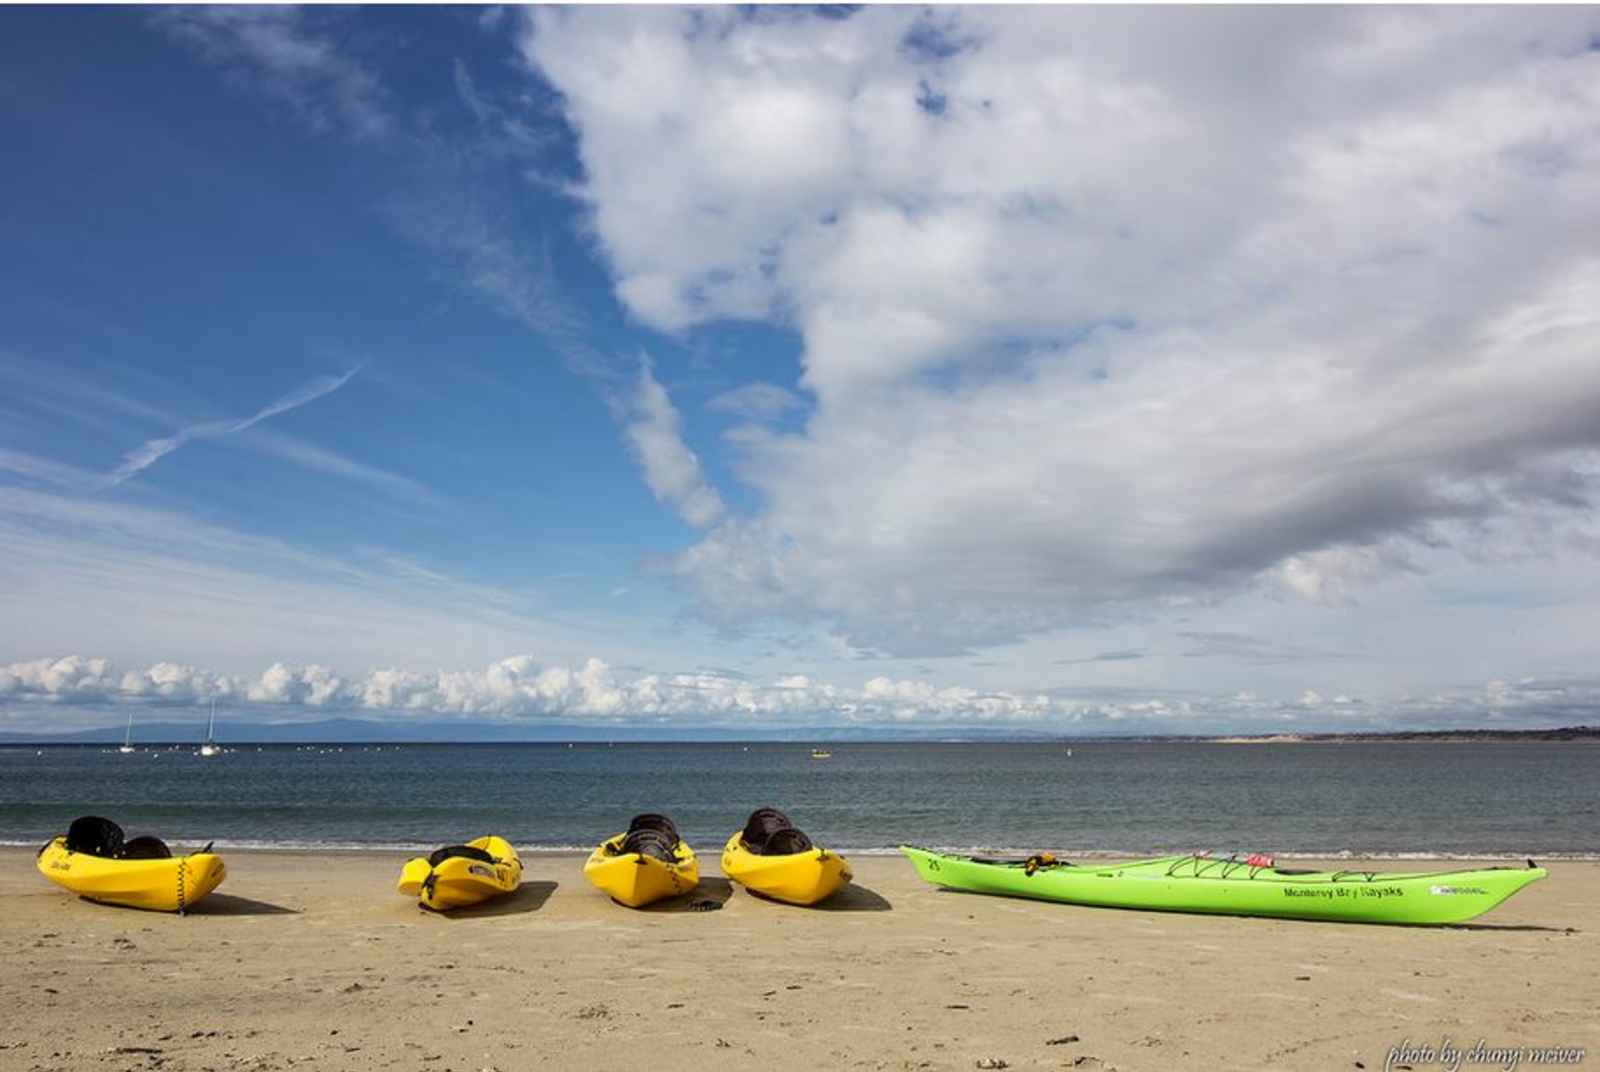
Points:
(370, 731)
(1562, 733)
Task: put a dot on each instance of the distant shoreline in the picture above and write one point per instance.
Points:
(272, 739)
(1581, 734)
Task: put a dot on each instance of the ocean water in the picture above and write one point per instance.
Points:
(1513, 799)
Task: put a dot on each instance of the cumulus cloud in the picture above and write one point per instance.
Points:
(523, 687)
(178, 682)
(1109, 310)
(73, 677)
(312, 686)
(653, 430)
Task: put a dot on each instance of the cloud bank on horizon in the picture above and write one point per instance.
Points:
(522, 688)
(1198, 367)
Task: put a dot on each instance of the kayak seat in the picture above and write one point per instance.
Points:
(94, 836)
(786, 842)
(652, 821)
(762, 824)
(647, 841)
(439, 856)
(146, 848)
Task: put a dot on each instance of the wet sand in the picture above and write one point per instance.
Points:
(311, 961)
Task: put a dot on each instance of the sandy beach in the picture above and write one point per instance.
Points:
(311, 961)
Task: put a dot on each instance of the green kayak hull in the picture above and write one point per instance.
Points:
(1235, 887)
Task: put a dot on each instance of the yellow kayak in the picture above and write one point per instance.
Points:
(93, 861)
(773, 858)
(647, 863)
(460, 875)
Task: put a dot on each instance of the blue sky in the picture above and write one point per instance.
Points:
(1013, 367)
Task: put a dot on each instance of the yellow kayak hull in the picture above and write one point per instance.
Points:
(460, 881)
(634, 879)
(802, 878)
(174, 884)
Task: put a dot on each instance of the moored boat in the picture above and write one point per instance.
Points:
(209, 748)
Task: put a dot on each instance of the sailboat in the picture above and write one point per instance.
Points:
(127, 738)
(210, 747)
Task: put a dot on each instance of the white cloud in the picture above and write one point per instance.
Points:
(756, 402)
(45, 470)
(653, 430)
(321, 460)
(1108, 311)
(276, 52)
(72, 677)
(153, 450)
(146, 582)
(96, 406)
(451, 206)
(312, 686)
(178, 682)
(523, 687)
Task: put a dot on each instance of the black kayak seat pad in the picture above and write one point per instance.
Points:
(648, 842)
(652, 821)
(787, 843)
(146, 848)
(649, 834)
(769, 832)
(439, 856)
(93, 835)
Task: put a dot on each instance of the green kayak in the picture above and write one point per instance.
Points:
(1235, 886)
